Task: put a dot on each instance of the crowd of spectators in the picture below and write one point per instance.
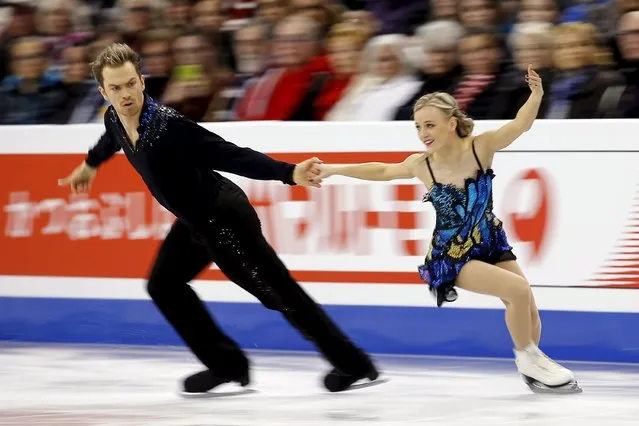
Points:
(314, 60)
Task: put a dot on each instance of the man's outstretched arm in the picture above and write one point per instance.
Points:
(225, 156)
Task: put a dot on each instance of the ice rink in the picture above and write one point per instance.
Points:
(73, 385)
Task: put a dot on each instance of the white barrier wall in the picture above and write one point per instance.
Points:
(73, 267)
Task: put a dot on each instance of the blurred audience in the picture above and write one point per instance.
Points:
(226, 60)
(440, 67)
(546, 11)
(198, 77)
(286, 90)
(83, 99)
(531, 42)
(345, 43)
(31, 94)
(478, 13)
(621, 100)
(579, 83)
(251, 51)
(386, 81)
(477, 91)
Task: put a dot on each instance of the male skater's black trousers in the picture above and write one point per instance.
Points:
(234, 241)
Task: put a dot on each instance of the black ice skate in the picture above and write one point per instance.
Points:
(336, 381)
(538, 387)
(205, 381)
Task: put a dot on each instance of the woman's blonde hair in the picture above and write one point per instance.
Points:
(448, 105)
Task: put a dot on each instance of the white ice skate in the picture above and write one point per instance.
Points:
(542, 374)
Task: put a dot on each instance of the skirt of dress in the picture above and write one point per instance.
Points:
(441, 275)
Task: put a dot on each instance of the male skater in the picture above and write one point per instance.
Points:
(178, 160)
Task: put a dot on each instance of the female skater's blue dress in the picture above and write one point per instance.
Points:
(465, 229)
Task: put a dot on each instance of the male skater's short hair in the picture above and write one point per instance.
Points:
(114, 56)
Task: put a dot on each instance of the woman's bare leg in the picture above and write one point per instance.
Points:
(513, 289)
(513, 267)
(483, 278)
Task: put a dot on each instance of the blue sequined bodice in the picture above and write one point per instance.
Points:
(456, 207)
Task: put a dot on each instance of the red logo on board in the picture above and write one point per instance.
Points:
(530, 225)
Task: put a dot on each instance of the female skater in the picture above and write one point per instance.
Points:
(469, 248)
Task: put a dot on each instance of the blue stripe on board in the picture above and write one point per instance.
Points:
(584, 336)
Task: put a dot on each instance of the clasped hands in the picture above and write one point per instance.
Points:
(310, 172)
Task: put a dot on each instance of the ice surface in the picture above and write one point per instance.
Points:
(73, 385)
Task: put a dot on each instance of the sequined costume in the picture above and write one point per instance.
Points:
(465, 229)
(179, 160)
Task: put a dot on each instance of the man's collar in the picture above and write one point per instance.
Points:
(149, 108)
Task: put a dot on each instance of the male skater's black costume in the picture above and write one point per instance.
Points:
(178, 160)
